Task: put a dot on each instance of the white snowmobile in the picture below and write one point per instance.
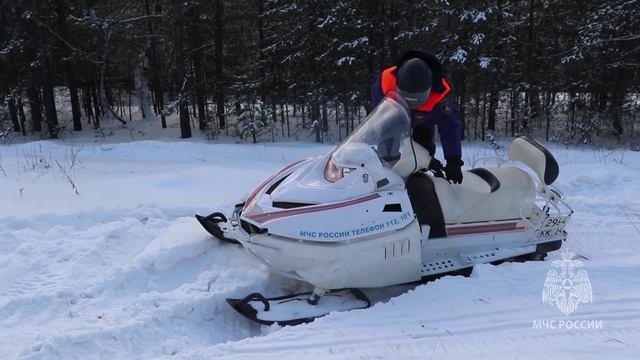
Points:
(367, 215)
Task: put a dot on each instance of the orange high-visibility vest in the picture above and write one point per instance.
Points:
(388, 81)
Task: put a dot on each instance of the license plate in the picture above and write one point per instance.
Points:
(552, 227)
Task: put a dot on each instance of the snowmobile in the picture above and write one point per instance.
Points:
(369, 215)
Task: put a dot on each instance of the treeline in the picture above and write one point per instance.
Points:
(567, 70)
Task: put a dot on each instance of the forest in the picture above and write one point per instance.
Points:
(562, 70)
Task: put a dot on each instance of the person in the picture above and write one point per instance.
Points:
(418, 78)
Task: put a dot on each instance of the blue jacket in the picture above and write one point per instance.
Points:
(444, 115)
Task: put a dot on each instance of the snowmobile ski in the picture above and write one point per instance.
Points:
(299, 308)
(211, 223)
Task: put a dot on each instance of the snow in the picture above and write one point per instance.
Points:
(460, 55)
(484, 62)
(123, 271)
(477, 39)
(345, 60)
(474, 15)
(354, 43)
(328, 20)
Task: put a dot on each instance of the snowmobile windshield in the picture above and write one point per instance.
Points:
(383, 131)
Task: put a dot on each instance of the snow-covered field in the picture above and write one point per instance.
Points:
(100, 257)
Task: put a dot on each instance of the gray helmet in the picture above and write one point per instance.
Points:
(414, 79)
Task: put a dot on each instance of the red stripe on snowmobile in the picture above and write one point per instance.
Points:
(266, 217)
(255, 191)
(482, 229)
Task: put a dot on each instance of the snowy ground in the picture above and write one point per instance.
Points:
(121, 269)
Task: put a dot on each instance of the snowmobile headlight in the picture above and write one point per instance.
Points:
(333, 172)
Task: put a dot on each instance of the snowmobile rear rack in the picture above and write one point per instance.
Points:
(256, 307)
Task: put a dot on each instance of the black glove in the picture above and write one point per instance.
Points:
(454, 170)
(436, 167)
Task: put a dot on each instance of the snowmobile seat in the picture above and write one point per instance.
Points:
(488, 177)
(537, 157)
(487, 194)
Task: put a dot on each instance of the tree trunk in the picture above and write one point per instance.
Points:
(475, 117)
(141, 79)
(75, 101)
(62, 12)
(514, 107)
(160, 101)
(13, 113)
(263, 95)
(35, 106)
(96, 106)
(274, 113)
(337, 109)
(201, 99)
(46, 75)
(353, 116)
(155, 64)
(483, 118)
(635, 117)
(493, 107)
(616, 115)
(551, 100)
(347, 116)
(506, 115)
(185, 126)
(282, 124)
(120, 107)
(325, 118)
(103, 98)
(526, 113)
(48, 96)
(461, 109)
(23, 119)
(219, 40)
(86, 104)
(527, 116)
(534, 107)
(572, 116)
(285, 119)
(198, 78)
(103, 95)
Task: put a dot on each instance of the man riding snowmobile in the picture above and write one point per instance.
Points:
(418, 78)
